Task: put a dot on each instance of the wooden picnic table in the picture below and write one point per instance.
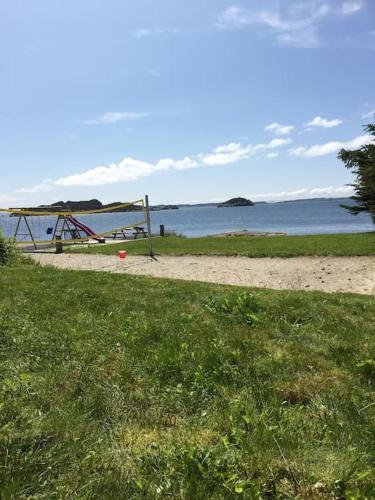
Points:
(137, 230)
(117, 234)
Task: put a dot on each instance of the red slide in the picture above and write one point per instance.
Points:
(85, 229)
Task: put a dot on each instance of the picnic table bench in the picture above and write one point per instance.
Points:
(137, 230)
(119, 234)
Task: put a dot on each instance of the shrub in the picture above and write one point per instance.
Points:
(8, 250)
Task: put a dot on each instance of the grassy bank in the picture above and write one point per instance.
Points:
(127, 387)
(260, 246)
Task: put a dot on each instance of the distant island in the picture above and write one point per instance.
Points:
(164, 207)
(237, 202)
(94, 204)
(273, 202)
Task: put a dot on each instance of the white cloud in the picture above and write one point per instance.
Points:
(318, 192)
(295, 24)
(294, 18)
(184, 164)
(147, 32)
(227, 154)
(369, 115)
(279, 129)
(235, 152)
(233, 17)
(275, 143)
(319, 122)
(130, 169)
(9, 200)
(351, 7)
(280, 194)
(273, 155)
(330, 147)
(114, 117)
(331, 191)
(44, 186)
(292, 22)
(125, 171)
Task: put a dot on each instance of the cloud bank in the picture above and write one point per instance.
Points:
(369, 115)
(278, 129)
(319, 122)
(114, 117)
(148, 32)
(330, 147)
(329, 191)
(351, 7)
(293, 23)
(130, 169)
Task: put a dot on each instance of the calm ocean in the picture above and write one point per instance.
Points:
(303, 217)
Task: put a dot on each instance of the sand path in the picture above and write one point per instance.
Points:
(328, 274)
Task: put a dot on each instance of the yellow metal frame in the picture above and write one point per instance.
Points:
(36, 213)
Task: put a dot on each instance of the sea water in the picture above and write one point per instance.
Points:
(302, 217)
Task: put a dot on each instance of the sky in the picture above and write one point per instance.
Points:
(190, 102)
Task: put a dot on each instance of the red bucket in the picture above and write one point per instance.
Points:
(122, 254)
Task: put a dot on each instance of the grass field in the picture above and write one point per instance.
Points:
(275, 246)
(130, 387)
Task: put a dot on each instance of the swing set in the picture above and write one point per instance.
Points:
(52, 225)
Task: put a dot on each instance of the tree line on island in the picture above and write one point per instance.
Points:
(94, 204)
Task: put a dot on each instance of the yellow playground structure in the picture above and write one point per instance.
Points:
(55, 225)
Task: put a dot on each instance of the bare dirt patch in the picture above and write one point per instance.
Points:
(327, 274)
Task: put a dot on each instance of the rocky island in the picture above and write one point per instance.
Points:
(95, 204)
(237, 202)
(164, 207)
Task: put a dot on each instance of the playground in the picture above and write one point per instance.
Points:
(54, 226)
(330, 263)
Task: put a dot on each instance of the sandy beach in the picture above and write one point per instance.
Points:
(327, 274)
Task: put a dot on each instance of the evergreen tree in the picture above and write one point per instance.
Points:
(362, 163)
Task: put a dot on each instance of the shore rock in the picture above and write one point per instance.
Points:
(245, 232)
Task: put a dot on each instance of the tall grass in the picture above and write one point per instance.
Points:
(129, 387)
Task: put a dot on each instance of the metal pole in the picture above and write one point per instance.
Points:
(18, 225)
(59, 247)
(150, 252)
(55, 230)
(31, 234)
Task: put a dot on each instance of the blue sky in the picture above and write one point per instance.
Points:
(187, 101)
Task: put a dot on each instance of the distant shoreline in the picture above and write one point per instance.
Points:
(97, 205)
(183, 205)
